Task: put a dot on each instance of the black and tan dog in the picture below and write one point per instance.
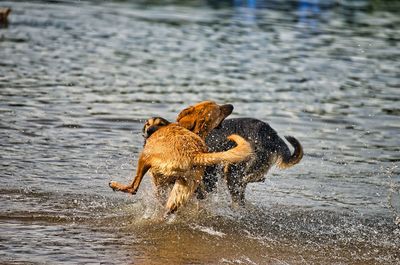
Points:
(269, 149)
(177, 157)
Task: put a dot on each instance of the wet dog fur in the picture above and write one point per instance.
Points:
(177, 157)
(269, 149)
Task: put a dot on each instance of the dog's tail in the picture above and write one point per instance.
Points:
(288, 160)
(240, 152)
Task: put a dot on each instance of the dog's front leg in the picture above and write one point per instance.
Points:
(132, 188)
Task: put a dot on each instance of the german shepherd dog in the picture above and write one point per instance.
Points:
(177, 157)
(269, 149)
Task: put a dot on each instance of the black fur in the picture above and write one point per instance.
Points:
(268, 147)
(152, 125)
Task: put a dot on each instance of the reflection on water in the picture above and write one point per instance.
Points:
(77, 80)
(308, 12)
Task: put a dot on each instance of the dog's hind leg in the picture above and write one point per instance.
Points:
(236, 186)
(237, 191)
(142, 168)
(209, 182)
(182, 191)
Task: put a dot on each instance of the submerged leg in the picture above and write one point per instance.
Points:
(209, 183)
(236, 185)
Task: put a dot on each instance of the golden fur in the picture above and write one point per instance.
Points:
(175, 155)
(203, 117)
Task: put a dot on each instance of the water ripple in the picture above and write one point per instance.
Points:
(77, 80)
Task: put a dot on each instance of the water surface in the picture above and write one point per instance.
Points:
(77, 80)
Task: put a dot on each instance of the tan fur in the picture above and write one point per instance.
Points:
(233, 155)
(203, 117)
(294, 159)
(175, 155)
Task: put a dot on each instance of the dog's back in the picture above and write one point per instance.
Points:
(165, 152)
(263, 138)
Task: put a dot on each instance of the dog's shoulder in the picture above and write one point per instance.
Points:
(174, 136)
(174, 130)
(166, 133)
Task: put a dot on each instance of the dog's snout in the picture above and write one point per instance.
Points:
(227, 109)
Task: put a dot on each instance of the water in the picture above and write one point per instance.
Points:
(77, 80)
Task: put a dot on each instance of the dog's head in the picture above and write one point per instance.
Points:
(152, 125)
(203, 117)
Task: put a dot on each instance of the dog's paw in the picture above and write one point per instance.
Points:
(132, 191)
(112, 185)
(124, 188)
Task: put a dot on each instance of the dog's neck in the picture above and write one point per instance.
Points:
(202, 135)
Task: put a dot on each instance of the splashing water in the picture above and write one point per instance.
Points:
(77, 80)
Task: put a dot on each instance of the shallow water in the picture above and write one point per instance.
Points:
(77, 80)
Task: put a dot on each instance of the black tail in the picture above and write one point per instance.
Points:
(288, 161)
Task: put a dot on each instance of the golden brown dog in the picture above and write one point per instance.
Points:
(175, 155)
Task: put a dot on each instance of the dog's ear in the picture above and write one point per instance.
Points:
(185, 120)
(200, 126)
(185, 112)
(195, 119)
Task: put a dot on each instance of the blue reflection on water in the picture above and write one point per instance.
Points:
(245, 10)
(245, 3)
(308, 13)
